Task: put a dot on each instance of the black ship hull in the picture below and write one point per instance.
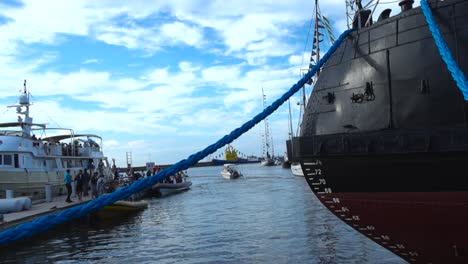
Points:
(400, 202)
(384, 138)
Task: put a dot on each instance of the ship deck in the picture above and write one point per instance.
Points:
(39, 208)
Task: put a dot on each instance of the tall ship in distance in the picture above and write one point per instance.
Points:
(267, 156)
(33, 156)
(231, 157)
(384, 137)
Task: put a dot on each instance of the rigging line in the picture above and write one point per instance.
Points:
(313, 21)
(390, 2)
(50, 118)
(306, 43)
(8, 109)
(370, 16)
(369, 4)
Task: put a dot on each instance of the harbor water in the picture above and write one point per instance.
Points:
(267, 216)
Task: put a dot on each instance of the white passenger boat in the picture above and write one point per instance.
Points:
(230, 172)
(29, 165)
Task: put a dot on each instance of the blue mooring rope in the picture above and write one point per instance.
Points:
(444, 51)
(49, 221)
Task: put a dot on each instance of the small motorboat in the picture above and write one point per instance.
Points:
(230, 172)
(296, 169)
(171, 185)
(122, 207)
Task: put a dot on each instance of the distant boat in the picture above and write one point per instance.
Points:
(231, 156)
(230, 172)
(30, 164)
(267, 160)
(285, 162)
(296, 169)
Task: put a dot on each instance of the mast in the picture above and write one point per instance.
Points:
(349, 12)
(272, 148)
(316, 42)
(314, 57)
(290, 120)
(267, 135)
(317, 35)
(23, 101)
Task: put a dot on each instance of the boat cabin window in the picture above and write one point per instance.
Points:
(6, 160)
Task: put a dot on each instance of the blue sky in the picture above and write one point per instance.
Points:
(159, 79)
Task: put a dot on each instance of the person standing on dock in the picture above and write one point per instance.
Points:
(100, 185)
(67, 179)
(86, 178)
(79, 184)
(93, 184)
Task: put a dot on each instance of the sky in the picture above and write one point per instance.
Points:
(159, 80)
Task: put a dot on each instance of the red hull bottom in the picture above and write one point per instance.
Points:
(426, 227)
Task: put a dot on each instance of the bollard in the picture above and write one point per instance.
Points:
(9, 194)
(48, 193)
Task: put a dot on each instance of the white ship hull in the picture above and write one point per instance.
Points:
(28, 164)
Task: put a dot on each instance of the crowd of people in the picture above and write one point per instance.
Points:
(85, 183)
(95, 184)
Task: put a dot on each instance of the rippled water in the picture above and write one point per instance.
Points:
(268, 216)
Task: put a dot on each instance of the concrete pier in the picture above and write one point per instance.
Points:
(39, 208)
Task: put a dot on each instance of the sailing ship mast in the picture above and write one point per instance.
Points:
(320, 22)
(322, 30)
(267, 134)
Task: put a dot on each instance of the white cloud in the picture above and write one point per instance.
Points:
(178, 32)
(221, 74)
(89, 61)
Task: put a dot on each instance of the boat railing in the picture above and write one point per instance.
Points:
(12, 133)
(47, 148)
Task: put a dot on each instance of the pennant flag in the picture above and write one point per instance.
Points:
(325, 19)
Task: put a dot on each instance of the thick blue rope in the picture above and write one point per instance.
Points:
(49, 221)
(444, 51)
